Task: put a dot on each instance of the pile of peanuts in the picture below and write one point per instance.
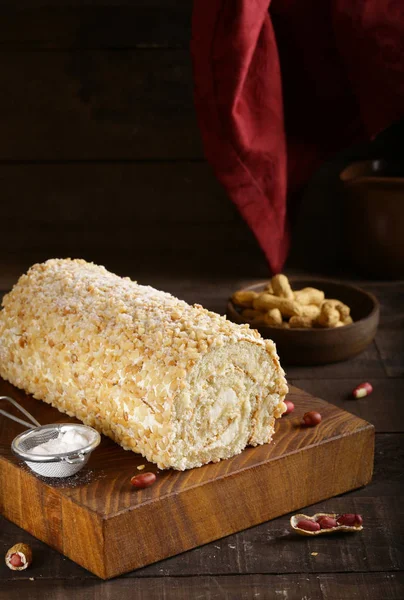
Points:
(279, 306)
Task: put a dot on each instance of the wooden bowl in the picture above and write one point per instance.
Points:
(322, 346)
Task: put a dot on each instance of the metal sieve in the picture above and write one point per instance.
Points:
(49, 465)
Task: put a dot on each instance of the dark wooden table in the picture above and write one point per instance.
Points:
(268, 561)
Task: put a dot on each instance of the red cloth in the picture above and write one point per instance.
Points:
(327, 72)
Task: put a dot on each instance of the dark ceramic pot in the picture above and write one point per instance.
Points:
(375, 218)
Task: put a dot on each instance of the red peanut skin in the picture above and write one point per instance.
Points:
(290, 407)
(143, 480)
(350, 519)
(312, 418)
(327, 522)
(16, 560)
(362, 390)
(307, 525)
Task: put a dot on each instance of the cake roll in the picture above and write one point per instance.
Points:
(177, 383)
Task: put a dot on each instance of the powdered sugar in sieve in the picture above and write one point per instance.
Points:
(45, 460)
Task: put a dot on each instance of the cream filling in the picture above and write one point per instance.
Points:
(228, 404)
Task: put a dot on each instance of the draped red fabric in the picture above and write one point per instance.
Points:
(281, 85)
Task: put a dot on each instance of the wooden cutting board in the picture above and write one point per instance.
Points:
(100, 521)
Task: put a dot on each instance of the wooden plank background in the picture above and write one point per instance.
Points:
(100, 153)
(98, 131)
(121, 104)
(64, 24)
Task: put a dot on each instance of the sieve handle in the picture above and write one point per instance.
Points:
(75, 460)
(34, 423)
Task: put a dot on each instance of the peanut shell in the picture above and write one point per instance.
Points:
(296, 518)
(25, 553)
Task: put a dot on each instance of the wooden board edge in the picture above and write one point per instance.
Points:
(52, 517)
(83, 537)
(25, 502)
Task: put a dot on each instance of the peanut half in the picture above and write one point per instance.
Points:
(362, 390)
(19, 557)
